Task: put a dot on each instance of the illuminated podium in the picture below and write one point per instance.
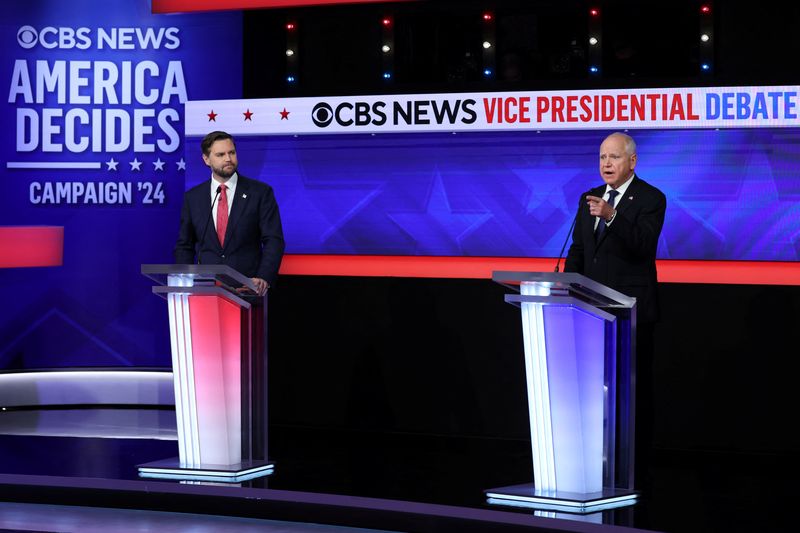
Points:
(219, 363)
(579, 342)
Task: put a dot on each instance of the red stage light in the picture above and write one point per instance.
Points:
(705, 9)
(290, 26)
(594, 12)
(487, 16)
(387, 21)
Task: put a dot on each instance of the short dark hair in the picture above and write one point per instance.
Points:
(213, 137)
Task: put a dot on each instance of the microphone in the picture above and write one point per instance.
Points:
(572, 226)
(205, 229)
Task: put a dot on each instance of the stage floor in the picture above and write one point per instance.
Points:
(346, 479)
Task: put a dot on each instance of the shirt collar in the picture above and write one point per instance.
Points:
(230, 183)
(622, 188)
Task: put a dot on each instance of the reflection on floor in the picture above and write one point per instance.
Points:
(689, 491)
(68, 519)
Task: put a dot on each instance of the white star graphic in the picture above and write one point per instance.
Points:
(136, 164)
(158, 164)
(181, 164)
(112, 165)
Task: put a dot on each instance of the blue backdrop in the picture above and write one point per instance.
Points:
(95, 97)
(732, 194)
(100, 83)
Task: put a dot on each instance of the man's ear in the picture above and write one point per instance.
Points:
(205, 160)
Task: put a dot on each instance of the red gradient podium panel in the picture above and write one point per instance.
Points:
(219, 374)
(217, 348)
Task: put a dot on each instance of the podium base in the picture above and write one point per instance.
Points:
(173, 469)
(526, 495)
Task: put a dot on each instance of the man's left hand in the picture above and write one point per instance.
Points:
(261, 286)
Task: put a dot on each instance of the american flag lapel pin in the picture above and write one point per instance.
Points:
(630, 197)
(244, 195)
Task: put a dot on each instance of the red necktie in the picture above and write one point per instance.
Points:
(222, 214)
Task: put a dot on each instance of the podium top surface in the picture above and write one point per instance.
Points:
(225, 275)
(570, 283)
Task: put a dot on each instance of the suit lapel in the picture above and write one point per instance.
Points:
(239, 202)
(622, 204)
(629, 197)
(205, 203)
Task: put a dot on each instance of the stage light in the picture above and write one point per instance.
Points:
(487, 44)
(487, 16)
(487, 72)
(705, 38)
(705, 9)
(289, 52)
(705, 66)
(386, 48)
(387, 75)
(386, 22)
(290, 26)
(290, 79)
(594, 12)
(592, 41)
(593, 69)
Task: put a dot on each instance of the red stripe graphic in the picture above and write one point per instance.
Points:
(31, 246)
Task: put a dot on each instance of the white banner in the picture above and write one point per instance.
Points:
(696, 107)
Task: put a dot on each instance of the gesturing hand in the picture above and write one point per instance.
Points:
(599, 207)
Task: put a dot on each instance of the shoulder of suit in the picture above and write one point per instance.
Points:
(253, 185)
(202, 186)
(642, 185)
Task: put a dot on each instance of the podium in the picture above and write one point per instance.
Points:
(219, 363)
(579, 343)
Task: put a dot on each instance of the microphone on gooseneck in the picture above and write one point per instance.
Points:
(571, 227)
(205, 229)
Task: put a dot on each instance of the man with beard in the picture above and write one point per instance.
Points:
(246, 231)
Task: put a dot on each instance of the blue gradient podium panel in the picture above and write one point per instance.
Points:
(579, 376)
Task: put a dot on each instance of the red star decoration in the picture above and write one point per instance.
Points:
(284, 114)
(212, 117)
(248, 114)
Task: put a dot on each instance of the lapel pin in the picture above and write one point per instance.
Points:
(630, 197)
(244, 195)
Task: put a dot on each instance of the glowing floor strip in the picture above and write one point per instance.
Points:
(554, 504)
(206, 475)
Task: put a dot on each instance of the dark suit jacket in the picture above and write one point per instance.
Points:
(625, 256)
(253, 240)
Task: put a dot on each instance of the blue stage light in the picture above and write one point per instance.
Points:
(593, 69)
(487, 72)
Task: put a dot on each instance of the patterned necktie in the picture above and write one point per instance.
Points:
(601, 227)
(222, 214)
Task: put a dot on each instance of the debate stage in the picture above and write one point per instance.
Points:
(398, 417)
(333, 481)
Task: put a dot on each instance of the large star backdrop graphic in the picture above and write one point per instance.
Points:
(732, 194)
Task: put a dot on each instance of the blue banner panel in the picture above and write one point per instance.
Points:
(732, 194)
(92, 141)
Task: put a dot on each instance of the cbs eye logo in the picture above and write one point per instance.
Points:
(322, 115)
(27, 37)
